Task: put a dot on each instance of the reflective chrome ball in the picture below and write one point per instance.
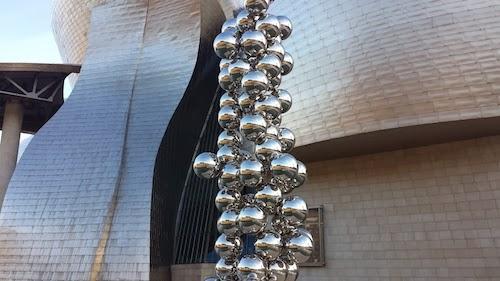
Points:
(268, 150)
(269, 107)
(257, 7)
(253, 43)
(229, 138)
(269, 197)
(292, 271)
(251, 220)
(270, 65)
(206, 165)
(224, 63)
(277, 270)
(294, 210)
(272, 132)
(246, 102)
(301, 174)
(287, 139)
(305, 232)
(300, 246)
(226, 45)
(253, 126)
(285, 99)
(277, 49)
(227, 198)
(251, 266)
(287, 64)
(225, 81)
(228, 222)
(227, 100)
(275, 82)
(230, 176)
(251, 172)
(285, 27)
(255, 82)
(237, 69)
(229, 117)
(230, 25)
(270, 26)
(268, 245)
(244, 21)
(225, 268)
(228, 247)
(227, 154)
(284, 167)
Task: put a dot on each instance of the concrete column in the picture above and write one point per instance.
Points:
(9, 146)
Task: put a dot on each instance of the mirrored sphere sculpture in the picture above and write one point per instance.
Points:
(252, 163)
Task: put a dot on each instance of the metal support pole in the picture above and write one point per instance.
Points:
(9, 146)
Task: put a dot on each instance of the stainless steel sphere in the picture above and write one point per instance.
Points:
(285, 27)
(275, 82)
(251, 266)
(206, 165)
(225, 81)
(257, 7)
(270, 64)
(253, 126)
(229, 117)
(292, 271)
(301, 174)
(268, 197)
(277, 49)
(225, 268)
(287, 139)
(287, 64)
(228, 247)
(251, 219)
(237, 69)
(268, 150)
(229, 138)
(251, 172)
(227, 99)
(268, 245)
(294, 210)
(284, 167)
(244, 21)
(226, 45)
(255, 82)
(230, 25)
(230, 176)
(305, 232)
(270, 26)
(300, 246)
(253, 43)
(224, 63)
(277, 270)
(269, 107)
(227, 154)
(285, 99)
(228, 222)
(246, 102)
(272, 132)
(227, 198)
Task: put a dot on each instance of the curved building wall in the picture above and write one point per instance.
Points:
(78, 206)
(363, 66)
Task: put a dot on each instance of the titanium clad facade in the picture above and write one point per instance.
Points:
(95, 195)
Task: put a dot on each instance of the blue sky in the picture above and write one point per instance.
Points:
(26, 34)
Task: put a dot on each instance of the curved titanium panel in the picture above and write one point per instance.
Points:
(78, 206)
(364, 66)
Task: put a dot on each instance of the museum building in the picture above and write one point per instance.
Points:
(396, 111)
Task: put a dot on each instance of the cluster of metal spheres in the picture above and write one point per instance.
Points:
(254, 168)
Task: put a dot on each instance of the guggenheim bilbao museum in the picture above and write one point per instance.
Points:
(396, 113)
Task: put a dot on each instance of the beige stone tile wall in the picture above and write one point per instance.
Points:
(424, 214)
